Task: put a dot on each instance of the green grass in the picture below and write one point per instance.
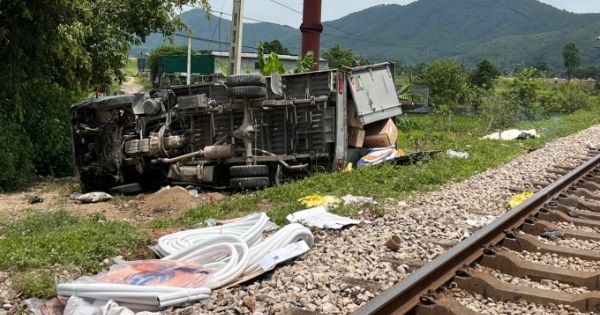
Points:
(131, 68)
(33, 246)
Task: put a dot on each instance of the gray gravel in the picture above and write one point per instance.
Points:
(572, 243)
(573, 263)
(488, 306)
(571, 226)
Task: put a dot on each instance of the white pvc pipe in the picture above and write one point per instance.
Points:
(231, 249)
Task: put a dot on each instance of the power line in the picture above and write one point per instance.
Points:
(541, 15)
(354, 37)
(285, 6)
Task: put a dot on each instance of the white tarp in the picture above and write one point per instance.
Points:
(320, 218)
(511, 134)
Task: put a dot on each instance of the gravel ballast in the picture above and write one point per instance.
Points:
(428, 225)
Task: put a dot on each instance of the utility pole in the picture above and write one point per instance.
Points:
(235, 41)
(189, 60)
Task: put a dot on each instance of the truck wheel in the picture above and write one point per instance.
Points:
(248, 170)
(245, 80)
(249, 182)
(128, 189)
(247, 91)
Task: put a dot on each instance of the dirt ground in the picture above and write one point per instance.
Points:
(165, 203)
(131, 87)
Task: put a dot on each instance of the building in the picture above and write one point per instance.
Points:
(250, 60)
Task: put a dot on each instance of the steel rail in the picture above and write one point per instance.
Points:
(405, 296)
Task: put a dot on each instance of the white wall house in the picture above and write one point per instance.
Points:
(250, 60)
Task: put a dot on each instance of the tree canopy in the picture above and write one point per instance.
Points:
(338, 56)
(77, 44)
(572, 60)
(485, 74)
(276, 47)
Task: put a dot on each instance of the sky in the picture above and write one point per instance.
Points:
(335, 9)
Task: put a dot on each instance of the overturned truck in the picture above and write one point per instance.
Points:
(247, 132)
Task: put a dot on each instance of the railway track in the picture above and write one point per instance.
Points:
(499, 264)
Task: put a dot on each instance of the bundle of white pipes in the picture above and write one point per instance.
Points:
(232, 249)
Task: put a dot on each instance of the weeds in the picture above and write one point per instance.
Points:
(42, 240)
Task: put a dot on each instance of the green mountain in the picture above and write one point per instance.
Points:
(506, 32)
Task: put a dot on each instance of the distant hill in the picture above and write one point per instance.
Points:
(507, 32)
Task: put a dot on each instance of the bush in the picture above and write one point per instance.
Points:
(523, 92)
(566, 99)
(16, 165)
(497, 112)
(39, 141)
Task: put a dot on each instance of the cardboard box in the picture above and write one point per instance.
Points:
(381, 134)
(356, 137)
(352, 116)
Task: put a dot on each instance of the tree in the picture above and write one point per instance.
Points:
(338, 57)
(445, 79)
(542, 67)
(77, 44)
(484, 75)
(276, 47)
(448, 83)
(524, 93)
(572, 60)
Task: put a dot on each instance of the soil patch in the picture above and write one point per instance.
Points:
(165, 203)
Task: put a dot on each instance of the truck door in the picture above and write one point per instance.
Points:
(374, 92)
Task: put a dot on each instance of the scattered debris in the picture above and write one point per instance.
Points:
(576, 215)
(316, 200)
(483, 221)
(250, 303)
(553, 234)
(319, 217)
(393, 243)
(75, 196)
(353, 200)
(520, 198)
(34, 200)
(193, 263)
(407, 159)
(402, 204)
(94, 197)
(377, 156)
(460, 155)
(592, 146)
(513, 134)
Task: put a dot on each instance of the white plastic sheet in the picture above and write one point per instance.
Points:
(94, 197)
(79, 306)
(319, 217)
(511, 134)
(483, 221)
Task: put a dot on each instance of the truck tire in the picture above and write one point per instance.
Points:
(247, 91)
(249, 171)
(249, 182)
(128, 189)
(245, 80)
